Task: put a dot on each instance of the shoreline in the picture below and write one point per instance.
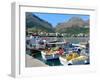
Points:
(33, 62)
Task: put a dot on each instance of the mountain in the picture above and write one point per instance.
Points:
(73, 22)
(73, 25)
(34, 23)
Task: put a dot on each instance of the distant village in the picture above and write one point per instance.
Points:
(46, 34)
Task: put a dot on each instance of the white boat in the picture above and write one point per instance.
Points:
(74, 61)
(79, 45)
(63, 60)
(51, 56)
(57, 43)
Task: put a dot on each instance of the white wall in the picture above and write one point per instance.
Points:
(5, 41)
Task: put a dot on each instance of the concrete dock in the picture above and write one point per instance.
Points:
(33, 62)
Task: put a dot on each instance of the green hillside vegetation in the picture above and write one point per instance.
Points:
(35, 24)
(74, 30)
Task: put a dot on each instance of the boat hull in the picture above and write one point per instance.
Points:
(76, 61)
(49, 57)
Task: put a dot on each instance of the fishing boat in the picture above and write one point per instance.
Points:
(79, 45)
(73, 59)
(49, 56)
(54, 52)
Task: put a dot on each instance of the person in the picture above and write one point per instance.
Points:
(79, 51)
(60, 51)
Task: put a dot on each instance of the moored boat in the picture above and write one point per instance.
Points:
(49, 56)
(73, 58)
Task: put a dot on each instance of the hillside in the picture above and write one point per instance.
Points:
(75, 25)
(35, 24)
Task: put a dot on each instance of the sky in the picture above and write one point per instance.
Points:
(54, 19)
